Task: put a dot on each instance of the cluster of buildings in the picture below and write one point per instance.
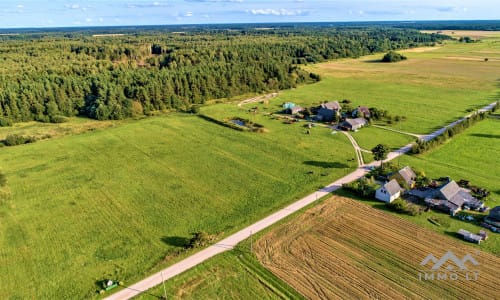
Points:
(448, 197)
(331, 111)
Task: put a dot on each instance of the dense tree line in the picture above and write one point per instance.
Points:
(47, 77)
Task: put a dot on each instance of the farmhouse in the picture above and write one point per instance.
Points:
(451, 198)
(361, 112)
(328, 111)
(353, 124)
(388, 192)
(405, 177)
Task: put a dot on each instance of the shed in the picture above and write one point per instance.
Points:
(389, 192)
(406, 177)
(466, 235)
(362, 112)
(353, 124)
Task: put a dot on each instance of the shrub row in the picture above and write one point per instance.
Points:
(17, 139)
(362, 187)
(424, 146)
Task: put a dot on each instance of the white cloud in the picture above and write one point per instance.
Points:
(88, 20)
(73, 6)
(20, 6)
(277, 12)
(101, 20)
(188, 14)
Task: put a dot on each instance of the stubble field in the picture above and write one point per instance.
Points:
(344, 249)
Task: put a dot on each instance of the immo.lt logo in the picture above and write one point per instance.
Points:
(449, 267)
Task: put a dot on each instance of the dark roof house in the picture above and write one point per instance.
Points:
(353, 124)
(327, 111)
(494, 217)
(361, 111)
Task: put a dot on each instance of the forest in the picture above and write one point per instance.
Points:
(49, 76)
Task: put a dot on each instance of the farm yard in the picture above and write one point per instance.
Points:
(344, 249)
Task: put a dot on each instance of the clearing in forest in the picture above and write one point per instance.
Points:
(346, 249)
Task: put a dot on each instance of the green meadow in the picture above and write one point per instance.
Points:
(118, 202)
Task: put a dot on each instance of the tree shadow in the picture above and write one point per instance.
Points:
(484, 135)
(326, 164)
(176, 241)
(372, 61)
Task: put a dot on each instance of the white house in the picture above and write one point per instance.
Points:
(389, 192)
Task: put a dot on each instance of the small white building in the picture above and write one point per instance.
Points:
(389, 192)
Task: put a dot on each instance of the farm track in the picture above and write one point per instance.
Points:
(344, 249)
(357, 149)
(230, 242)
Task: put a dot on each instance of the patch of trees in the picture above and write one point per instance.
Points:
(200, 239)
(466, 39)
(423, 146)
(404, 207)
(363, 187)
(392, 56)
(48, 77)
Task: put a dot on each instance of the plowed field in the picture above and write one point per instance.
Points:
(346, 249)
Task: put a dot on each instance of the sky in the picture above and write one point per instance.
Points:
(65, 13)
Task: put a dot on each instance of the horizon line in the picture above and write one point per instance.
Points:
(241, 23)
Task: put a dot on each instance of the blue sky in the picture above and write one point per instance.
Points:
(61, 13)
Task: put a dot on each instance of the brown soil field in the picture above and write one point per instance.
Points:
(344, 249)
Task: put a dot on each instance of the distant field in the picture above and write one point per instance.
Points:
(116, 202)
(346, 249)
(432, 88)
(370, 137)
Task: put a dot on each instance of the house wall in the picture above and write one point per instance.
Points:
(382, 195)
(326, 114)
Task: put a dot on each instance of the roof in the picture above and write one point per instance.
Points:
(407, 174)
(495, 214)
(296, 109)
(334, 105)
(365, 110)
(450, 190)
(355, 122)
(392, 187)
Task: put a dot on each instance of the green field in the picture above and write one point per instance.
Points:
(432, 88)
(116, 202)
(235, 274)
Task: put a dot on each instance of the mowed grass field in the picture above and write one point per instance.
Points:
(231, 275)
(344, 249)
(434, 87)
(118, 203)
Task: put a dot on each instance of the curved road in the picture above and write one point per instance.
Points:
(231, 241)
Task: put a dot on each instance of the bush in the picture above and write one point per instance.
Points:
(16, 139)
(200, 239)
(363, 187)
(392, 56)
(401, 206)
(58, 119)
(5, 122)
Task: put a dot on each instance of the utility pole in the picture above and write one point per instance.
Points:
(251, 242)
(164, 289)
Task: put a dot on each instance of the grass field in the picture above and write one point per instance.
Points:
(116, 202)
(232, 275)
(346, 249)
(369, 137)
(432, 88)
